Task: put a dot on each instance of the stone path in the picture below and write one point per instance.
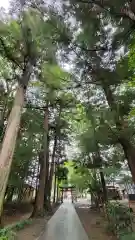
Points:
(64, 225)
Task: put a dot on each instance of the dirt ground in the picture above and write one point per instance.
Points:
(33, 231)
(9, 220)
(94, 224)
(14, 213)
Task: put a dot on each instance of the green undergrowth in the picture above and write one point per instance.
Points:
(129, 236)
(9, 232)
(120, 221)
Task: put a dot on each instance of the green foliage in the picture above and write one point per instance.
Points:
(8, 233)
(84, 180)
(80, 182)
(128, 236)
(54, 76)
(62, 173)
(120, 219)
(20, 225)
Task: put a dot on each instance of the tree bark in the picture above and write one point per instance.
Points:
(128, 13)
(39, 202)
(9, 141)
(128, 148)
(46, 191)
(52, 166)
(103, 187)
(129, 151)
(47, 205)
(98, 160)
(57, 193)
(10, 194)
(55, 185)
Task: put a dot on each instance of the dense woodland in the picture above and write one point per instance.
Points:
(67, 92)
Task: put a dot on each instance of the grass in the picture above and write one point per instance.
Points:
(8, 233)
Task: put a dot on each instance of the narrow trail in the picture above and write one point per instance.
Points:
(64, 225)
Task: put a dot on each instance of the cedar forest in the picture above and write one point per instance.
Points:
(67, 82)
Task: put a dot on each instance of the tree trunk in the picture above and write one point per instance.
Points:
(103, 187)
(57, 193)
(128, 148)
(46, 191)
(9, 142)
(129, 151)
(39, 201)
(2, 120)
(55, 186)
(129, 13)
(47, 204)
(98, 160)
(20, 193)
(10, 194)
(52, 166)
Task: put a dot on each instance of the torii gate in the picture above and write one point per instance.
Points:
(66, 188)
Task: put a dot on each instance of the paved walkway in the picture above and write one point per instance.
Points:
(64, 225)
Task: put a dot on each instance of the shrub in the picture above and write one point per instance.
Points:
(7, 232)
(120, 219)
(130, 236)
(22, 224)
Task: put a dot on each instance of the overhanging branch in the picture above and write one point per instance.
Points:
(125, 13)
(8, 54)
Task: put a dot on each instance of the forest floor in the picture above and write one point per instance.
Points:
(14, 212)
(34, 230)
(13, 219)
(13, 215)
(93, 223)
